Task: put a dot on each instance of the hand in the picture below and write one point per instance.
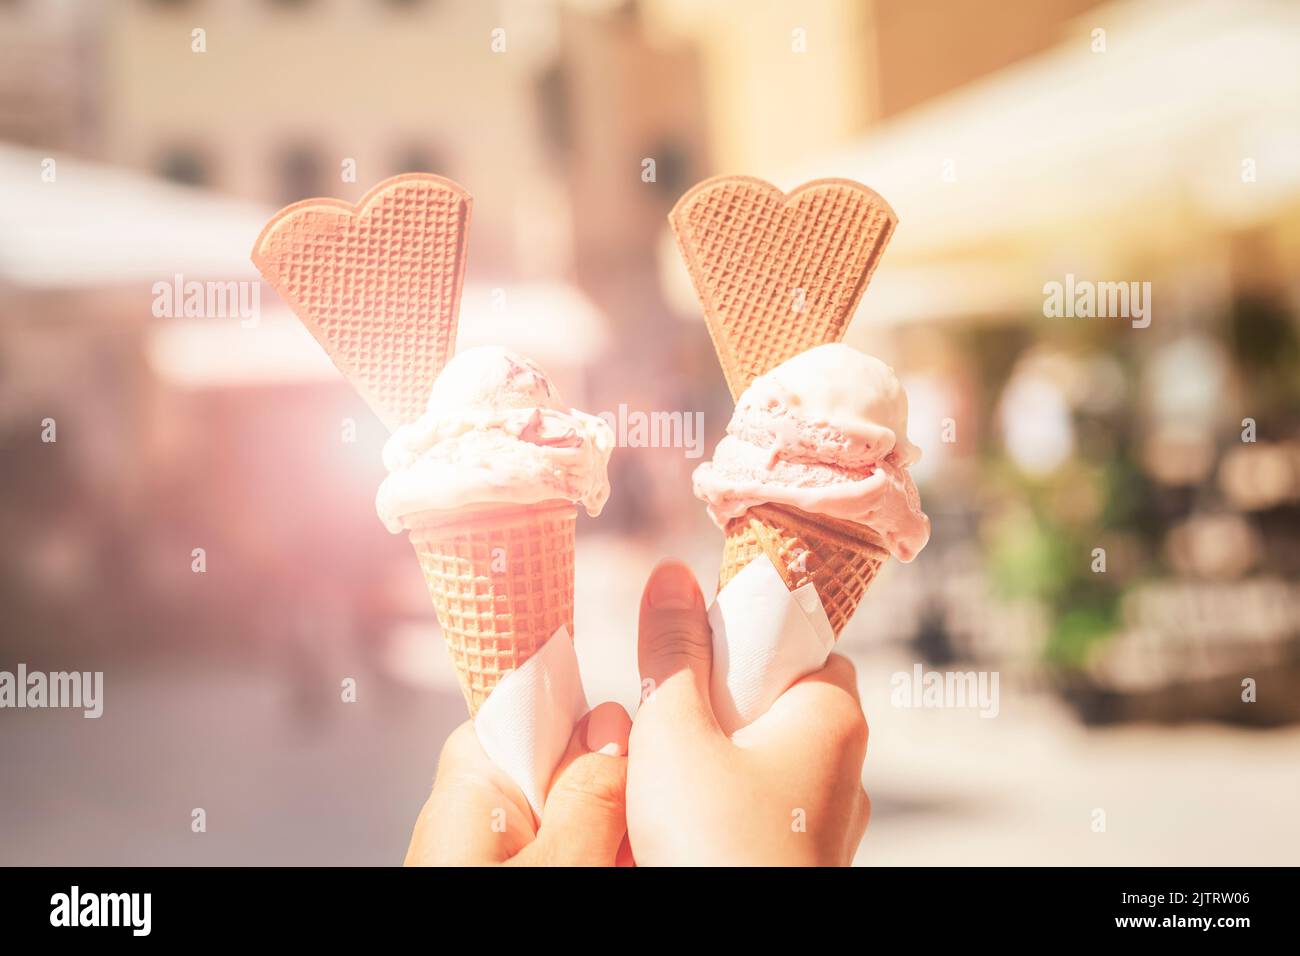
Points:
(784, 791)
(477, 816)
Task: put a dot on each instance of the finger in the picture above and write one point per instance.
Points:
(584, 819)
(675, 647)
(837, 673)
(815, 734)
(625, 856)
(475, 814)
(854, 829)
(819, 715)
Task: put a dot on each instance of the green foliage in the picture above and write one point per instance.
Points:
(1026, 558)
(1076, 630)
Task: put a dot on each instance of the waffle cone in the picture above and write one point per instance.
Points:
(778, 273)
(501, 581)
(377, 284)
(839, 558)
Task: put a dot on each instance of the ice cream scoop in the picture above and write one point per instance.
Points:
(495, 432)
(824, 432)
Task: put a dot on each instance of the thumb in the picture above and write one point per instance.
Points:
(675, 647)
(584, 820)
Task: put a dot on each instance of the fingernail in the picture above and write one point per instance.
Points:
(607, 730)
(672, 588)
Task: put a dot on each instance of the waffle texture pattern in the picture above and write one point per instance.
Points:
(778, 274)
(501, 583)
(378, 285)
(839, 558)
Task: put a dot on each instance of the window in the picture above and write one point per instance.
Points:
(672, 168)
(300, 174)
(184, 165)
(419, 158)
(554, 106)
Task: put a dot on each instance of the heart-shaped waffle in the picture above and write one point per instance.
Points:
(378, 284)
(778, 274)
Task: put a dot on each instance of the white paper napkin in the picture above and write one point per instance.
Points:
(527, 720)
(765, 637)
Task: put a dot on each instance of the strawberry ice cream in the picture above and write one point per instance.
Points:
(824, 432)
(495, 432)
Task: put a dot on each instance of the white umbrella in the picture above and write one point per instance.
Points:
(94, 225)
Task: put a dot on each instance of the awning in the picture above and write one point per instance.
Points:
(1088, 162)
(96, 225)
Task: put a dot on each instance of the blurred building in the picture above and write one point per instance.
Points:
(292, 100)
(50, 93)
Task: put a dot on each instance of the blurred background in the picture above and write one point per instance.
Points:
(147, 141)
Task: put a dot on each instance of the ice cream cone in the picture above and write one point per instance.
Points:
(379, 286)
(501, 581)
(778, 274)
(839, 558)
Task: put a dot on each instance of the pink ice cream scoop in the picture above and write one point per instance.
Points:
(496, 432)
(824, 432)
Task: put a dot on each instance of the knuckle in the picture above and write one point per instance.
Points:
(594, 779)
(849, 730)
(842, 671)
(683, 641)
(459, 748)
